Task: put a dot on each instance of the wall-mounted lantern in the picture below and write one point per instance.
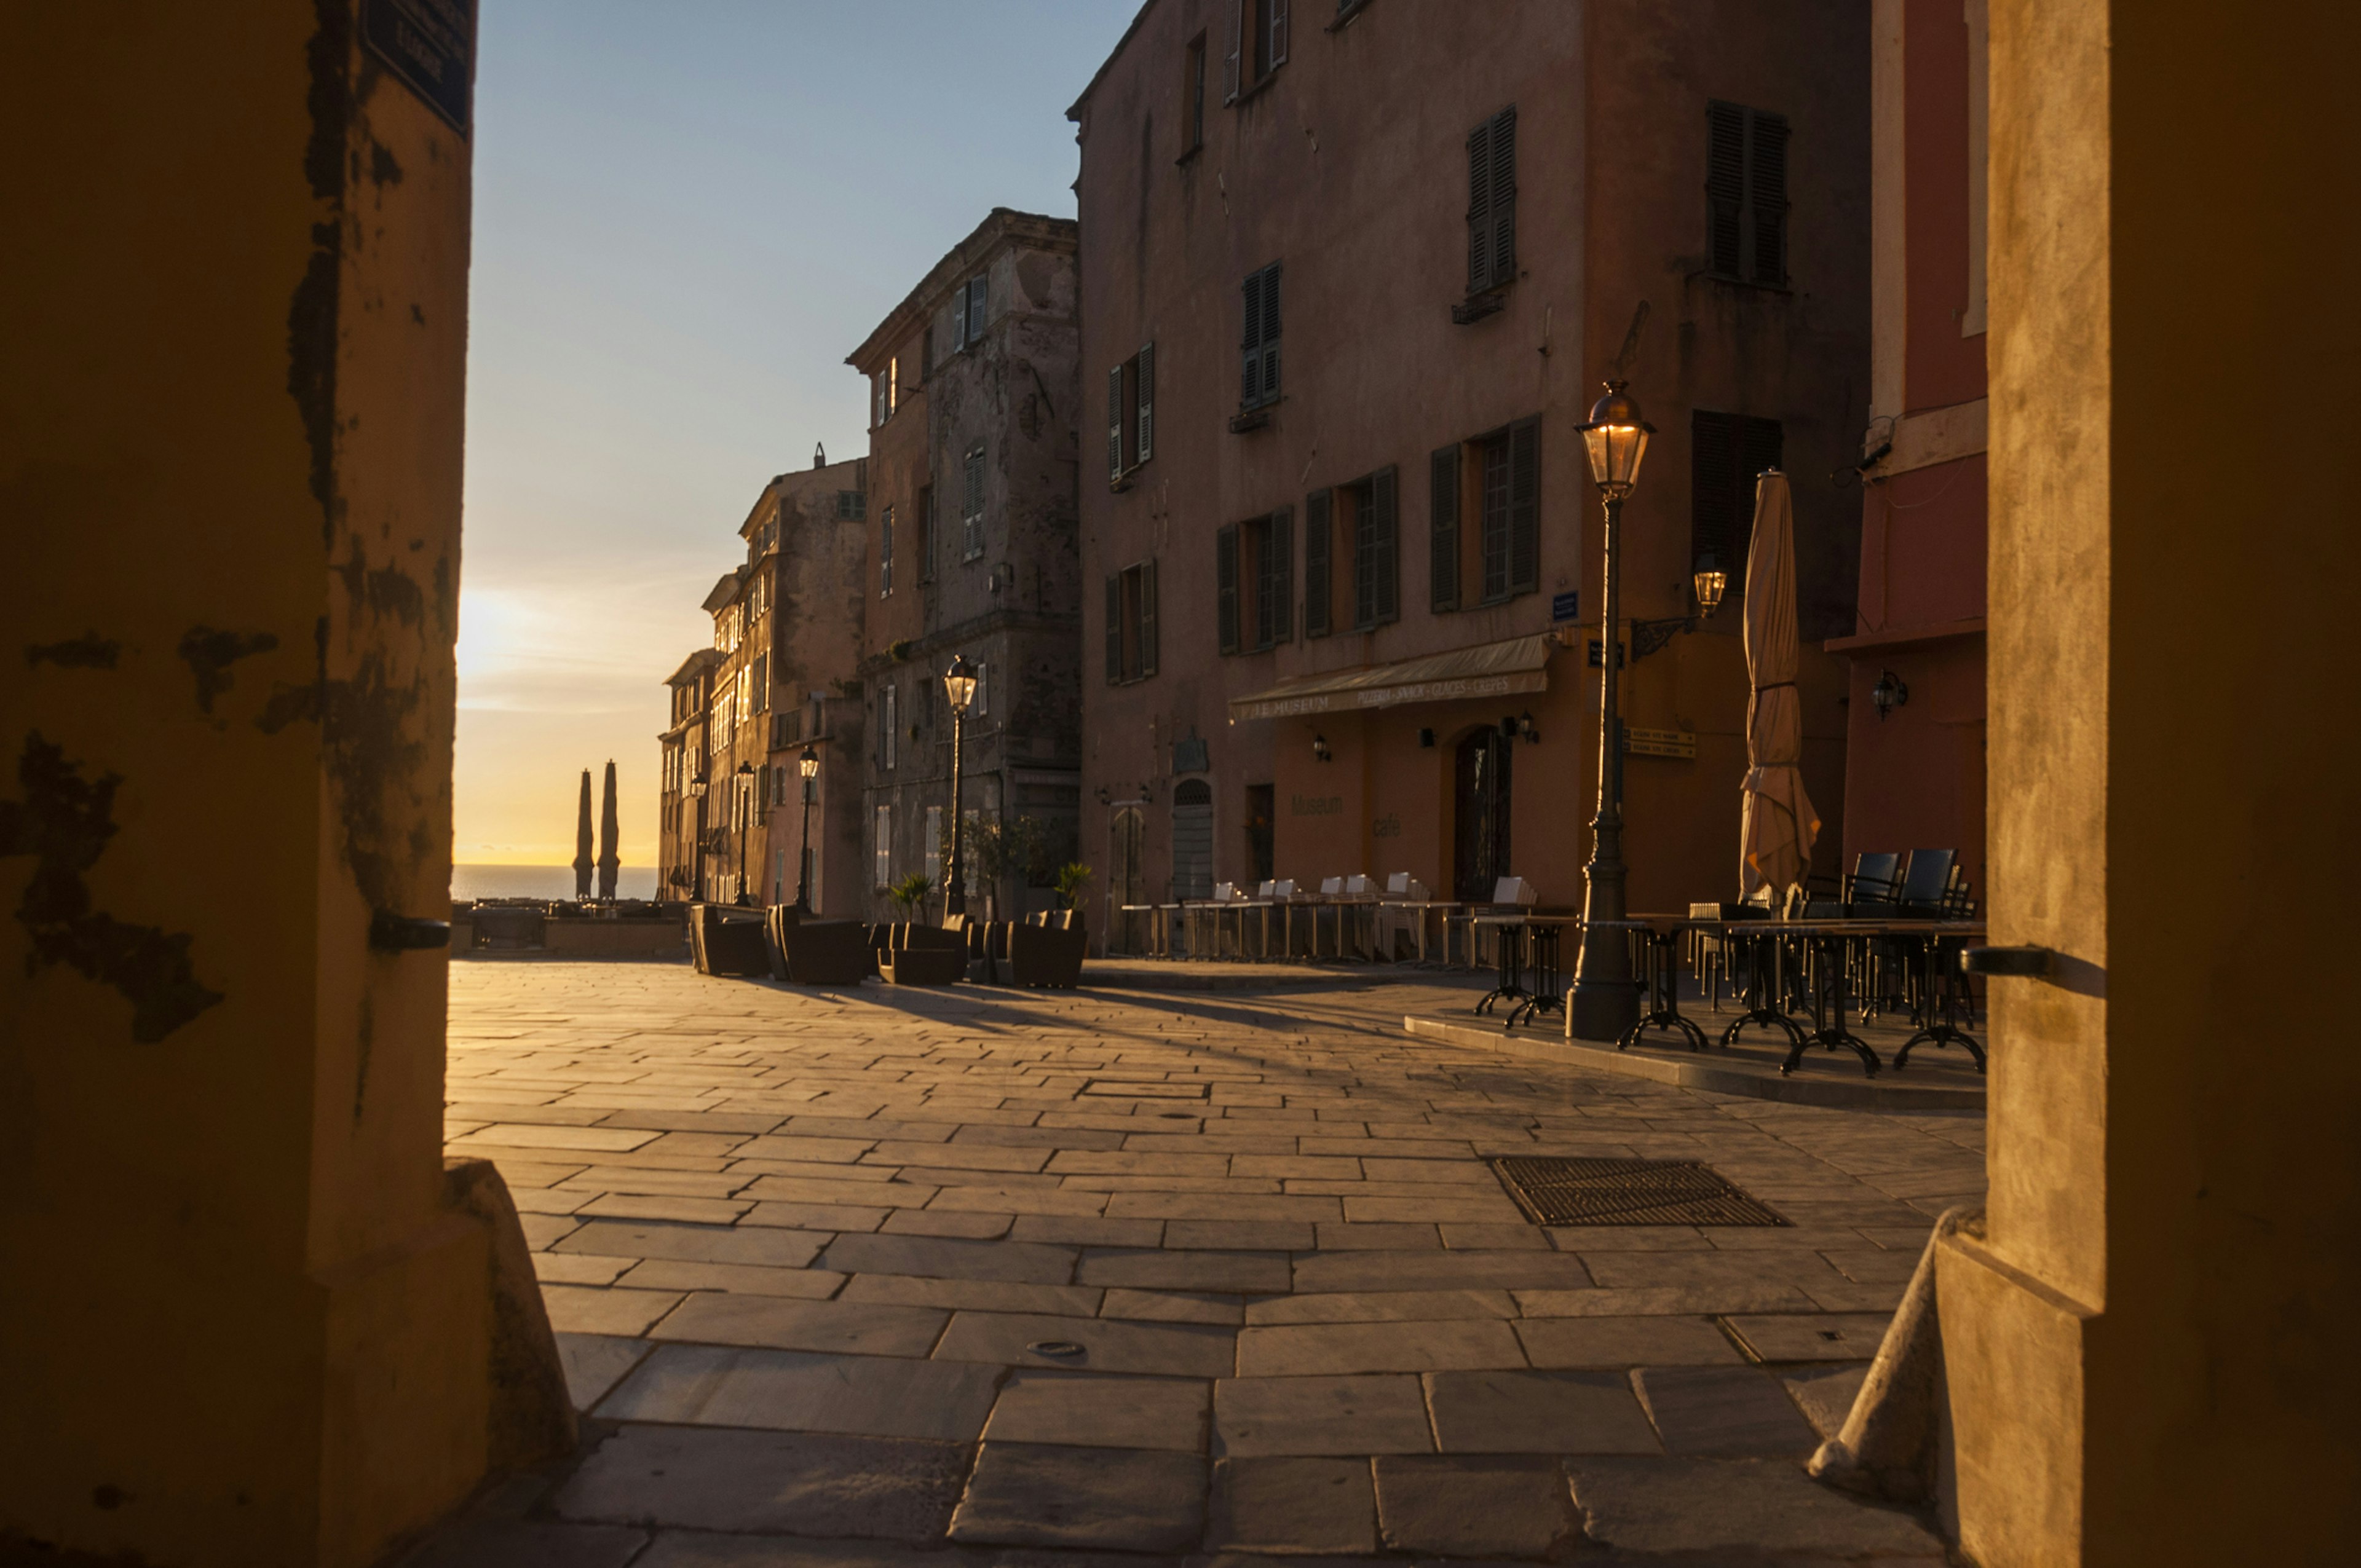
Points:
(1708, 582)
(1320, 751)
(1888, 694)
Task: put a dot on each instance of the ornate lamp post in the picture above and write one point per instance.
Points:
(958, 687)
(745, 802)
(809, 766)
(1605, 1003)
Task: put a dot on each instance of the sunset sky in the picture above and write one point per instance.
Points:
(685, 216)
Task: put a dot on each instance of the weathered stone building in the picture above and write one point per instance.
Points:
(1344, 591)
(974, 401)
(778, 676)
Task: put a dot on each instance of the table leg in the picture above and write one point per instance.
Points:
(1762, 990)
(1830, 1003)
(1663, 981)
(1946, 1030)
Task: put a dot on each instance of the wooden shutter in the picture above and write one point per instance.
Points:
(1526, 506)
(1725, 188)
(1230, 61)
(1278, 31)
(1767, 198)
(1281, 531)
(1493, 524)
(1114, 422)
(1250, 345)
(1317, 571)
(1144, 442)
(1713, 481)
(1503, 215)
(1147, 618)
(1758, 446)
(1270, 331)
(1114, 627)
(1387, 530)
(1226, 587)
(1364, 558)
(1443, 529)
(1479, 207)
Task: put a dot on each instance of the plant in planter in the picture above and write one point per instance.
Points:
(910, 894)
(1072, 878)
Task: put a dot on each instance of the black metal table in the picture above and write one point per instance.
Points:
(1526, 942)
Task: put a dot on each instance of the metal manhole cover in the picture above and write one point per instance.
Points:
(1627, 1193)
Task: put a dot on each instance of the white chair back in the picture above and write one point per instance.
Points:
(1263, 890)
(1223, 891)
(1398, 885)
(1513, 890)
(1283, 891)
(1356, 887)
(1330, 887)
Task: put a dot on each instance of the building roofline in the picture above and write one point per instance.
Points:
(696, 665)
(1001, 226)
(1074, 110)
(782, 481)
(727, 589)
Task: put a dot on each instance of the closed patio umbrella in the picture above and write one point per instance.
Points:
(583, 863)
(1777, 825)
(610, 864)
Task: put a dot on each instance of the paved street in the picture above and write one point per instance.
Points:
(1000, 1277)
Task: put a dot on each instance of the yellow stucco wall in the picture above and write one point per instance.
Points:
(239, 1328)
(2144, 1351)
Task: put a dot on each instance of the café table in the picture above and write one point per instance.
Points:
(1526, 941)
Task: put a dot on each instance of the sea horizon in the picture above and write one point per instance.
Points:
(495, 881)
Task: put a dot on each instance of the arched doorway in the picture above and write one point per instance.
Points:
(1480, 798)
(1192, 839)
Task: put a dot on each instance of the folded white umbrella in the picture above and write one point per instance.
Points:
(1777, 825)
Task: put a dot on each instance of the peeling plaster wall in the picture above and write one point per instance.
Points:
(230, 480)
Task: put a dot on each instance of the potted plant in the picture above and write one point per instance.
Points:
(910, 894)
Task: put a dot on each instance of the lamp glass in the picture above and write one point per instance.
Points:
(1615, 453)
(1710, 583)
(958, 683)
(808, 764)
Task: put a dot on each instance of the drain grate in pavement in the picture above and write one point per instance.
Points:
(1627, 1193)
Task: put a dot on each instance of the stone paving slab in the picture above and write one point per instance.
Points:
(1264, 1224)
(1668, 1505)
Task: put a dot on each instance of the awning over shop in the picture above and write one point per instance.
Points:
(1492, 669)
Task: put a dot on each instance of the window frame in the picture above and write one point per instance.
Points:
(1130, 631)
(1262, 329)
(1746, 176)
(885, 551)
(973, 503)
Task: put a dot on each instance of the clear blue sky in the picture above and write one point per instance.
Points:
(686, 215)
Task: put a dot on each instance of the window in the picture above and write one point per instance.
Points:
(1443, 529)
(968, 303)
(886, 553)
(758, 688)
(1258, 45)
(851, 506)
(1492, 203)
(934, 843)
(888, 727)
(971, 507)
(1746, 194)
(1727, 453)
(881, 399)
(1377, 551)
(926, 534)
(1193, 96)
(979, 704)
(884, 845)
(1131, 412)
(893, 385)
(1259, 347)
(1131, 624)
(1508, 511)
(1254, 572)
(1319, 563)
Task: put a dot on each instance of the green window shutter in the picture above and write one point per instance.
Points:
(1503, 215)
(1493, 540)
(1281, 532)
(1713, 492)
(1317, 570)
(1144, 442)
(1226, 587)
(1725, 190)
(1386, 531)
(1148, 619)
(1270, 333)
(1114, 628)
(1250, 345)
(1767, 198)
(1277, 15)
(1114, 422)
(1230, 61)
(1524, 505)
(1364, 558)
(1479, 207)
(1442, 535)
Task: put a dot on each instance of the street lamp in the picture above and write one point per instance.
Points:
(745, 826)
(1709, 582)
(958, 687)
(809, 766)
(1605, 1003)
